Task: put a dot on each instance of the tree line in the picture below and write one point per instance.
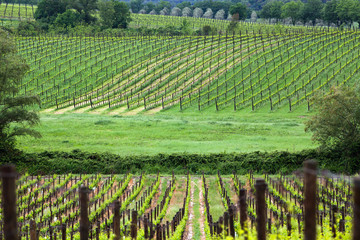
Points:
(70, 13)
(337, 12)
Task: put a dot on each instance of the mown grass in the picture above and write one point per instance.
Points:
(173, 131)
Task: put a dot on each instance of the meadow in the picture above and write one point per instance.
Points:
(172, 132)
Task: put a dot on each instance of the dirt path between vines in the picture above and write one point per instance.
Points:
(189, 232)
(202, 210)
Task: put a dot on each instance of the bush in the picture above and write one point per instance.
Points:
(106, 163)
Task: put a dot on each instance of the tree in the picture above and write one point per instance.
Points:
(48, 10)
(272, 10)
(239, 9)
(67, 19)
(13, 109)
(220, 14)
(175, 11)
(136, 5)
(292, 10)
(312, 10)
(183, 5)
(107, 12)
(336, 125)
(330, 13)
(122, 15)
(161, 5)
(114, 14)
(186, 12)
(149, 7)
(344, 10)
(85, 8)
(198, 12)
(208, 14)
(356, 14)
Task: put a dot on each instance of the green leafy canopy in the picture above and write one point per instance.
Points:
(13, 108)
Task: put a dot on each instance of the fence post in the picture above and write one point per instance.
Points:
(84, 218)
(260, 186)
(356, 219)
(134, 224)
(32, 230)
(243, 208)
(310, 167)
(231, 216)
(8, 175)
(116, 219)
(63, 231)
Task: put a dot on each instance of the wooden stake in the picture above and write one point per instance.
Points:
(116, 219)
(8, 175)
(260, 186)
(356, 219)
(84, 217)
(310, 167)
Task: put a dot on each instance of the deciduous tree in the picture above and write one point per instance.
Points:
(15, 118)
(336, 123)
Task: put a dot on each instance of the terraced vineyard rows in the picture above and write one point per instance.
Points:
(149, 206)
(17, 11)
(250, 69)
(157, 21)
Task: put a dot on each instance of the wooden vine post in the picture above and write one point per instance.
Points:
(356, 219)
(84, 217)
(134, 224)
(260, 186)
(116, 220)
(243, 209)
(310, 185)
(8, 176)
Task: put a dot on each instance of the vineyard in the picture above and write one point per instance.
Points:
(17, 11)
(181, 207)
(249, 69)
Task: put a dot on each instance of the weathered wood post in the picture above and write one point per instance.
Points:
(243, 208)
(356, 219)
(310, 168)
(134, 215)
(116, 219)
(63, 231)
(8, 176)
(260, 186)
(231, 216)
(32, 230)
(84, 217)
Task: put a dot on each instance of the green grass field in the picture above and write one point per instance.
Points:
(172, 131)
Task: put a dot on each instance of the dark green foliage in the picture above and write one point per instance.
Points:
(105, 163)
(206, 30)
(13, 109)
(272, 10)
(122, 15)
(292, 10)
(85, 8)
(184, 4)
(240, 9)
(312, 10)
(336, 125)
(114, 14)
(136, 5)
(67, 19)
(161, 5)
(48, 10)
(330, 14)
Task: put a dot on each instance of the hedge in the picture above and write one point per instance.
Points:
(106, 163)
